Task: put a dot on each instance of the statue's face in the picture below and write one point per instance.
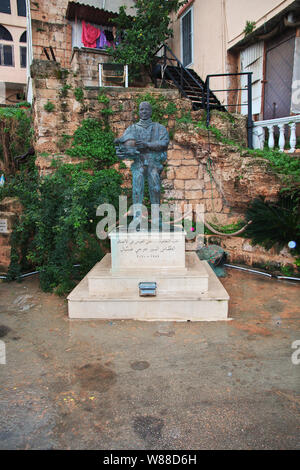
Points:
(145, 111)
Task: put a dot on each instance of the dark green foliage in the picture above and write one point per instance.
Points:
(144, 33)
(23, 104)
(275, 224)
(230, 228)
(103, 99)
(79, 94)
(249, 28)
(162, 109)
(57, 229)
(95, 142)
(186, 118)
(283, 162)
(49, 107)
(63, 92)
(15, 136)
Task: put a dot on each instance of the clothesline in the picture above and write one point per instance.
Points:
(94, 37)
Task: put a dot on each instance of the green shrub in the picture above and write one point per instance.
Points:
(145, 32)
(79, 95)
(249, 27)
(275, 224)
(49, 107)
(162, 109)
(57, 228)
(63, 92)
(15, 136)
(95, 142)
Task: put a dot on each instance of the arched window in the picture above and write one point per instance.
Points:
(5, 34)
(21, 4)
(23, 37)
(23, 50)
(6, 50)
(5, 7)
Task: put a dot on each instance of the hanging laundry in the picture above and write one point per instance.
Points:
(89, 35)
(109, 38)
(109, 35)
(102, 41)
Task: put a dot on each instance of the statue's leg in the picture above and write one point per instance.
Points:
(154, 183)
(154, 192)
(137, 187)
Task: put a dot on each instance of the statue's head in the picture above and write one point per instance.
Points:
(145, 110)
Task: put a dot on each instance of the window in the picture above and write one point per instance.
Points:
(23, 37)
(187, 38)
(6, 55)
(23, 55)
(21, 4)
(5, 34)
(5, 6)
(6, 50)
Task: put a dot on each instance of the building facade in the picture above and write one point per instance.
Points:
(13, 51)
(230, 36)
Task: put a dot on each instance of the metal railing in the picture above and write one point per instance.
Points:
(249, 99)
(287, 133)
(209, 100)
(166, 60)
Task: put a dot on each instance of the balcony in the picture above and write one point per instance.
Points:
(287, 127)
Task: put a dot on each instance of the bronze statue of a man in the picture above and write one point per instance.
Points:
(146, 143)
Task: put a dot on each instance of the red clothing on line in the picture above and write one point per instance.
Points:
(89, 35)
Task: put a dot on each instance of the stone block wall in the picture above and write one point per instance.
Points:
(50, 28)
(52, 84)
(85, 64)
(200, 169)
(241, 251)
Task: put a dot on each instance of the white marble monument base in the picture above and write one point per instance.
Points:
(144, 251)
(196, 295)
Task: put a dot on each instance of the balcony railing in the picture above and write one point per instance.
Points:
(287, 133)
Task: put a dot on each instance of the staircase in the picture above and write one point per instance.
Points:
(192, 87)
(168, 68)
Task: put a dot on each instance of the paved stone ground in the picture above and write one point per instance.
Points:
(131, 385)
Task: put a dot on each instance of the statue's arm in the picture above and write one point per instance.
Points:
(124, 151)
(128, 134)
(161, 144)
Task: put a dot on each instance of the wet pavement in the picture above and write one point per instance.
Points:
(137, 385)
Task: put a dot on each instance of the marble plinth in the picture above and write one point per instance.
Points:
(144, 251)
(187, 288)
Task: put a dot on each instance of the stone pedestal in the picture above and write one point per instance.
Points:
(144, 251)
(186, 288)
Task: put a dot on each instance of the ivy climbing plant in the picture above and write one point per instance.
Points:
(94, 142)
(15, 136)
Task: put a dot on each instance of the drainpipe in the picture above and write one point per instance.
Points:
(250, 120)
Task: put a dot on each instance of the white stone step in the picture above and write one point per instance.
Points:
(104, 282)
(177, 306)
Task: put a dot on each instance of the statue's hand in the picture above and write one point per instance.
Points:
(123, 152)
(141, 146)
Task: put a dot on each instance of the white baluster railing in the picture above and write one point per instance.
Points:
(259, 132)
